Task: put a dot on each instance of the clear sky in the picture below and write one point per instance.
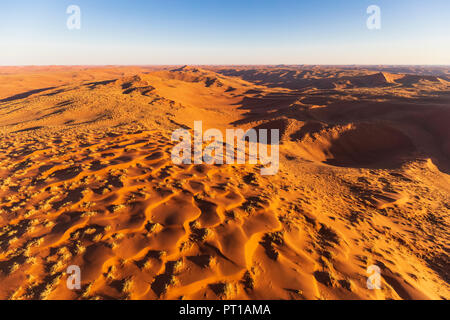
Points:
(224, 32)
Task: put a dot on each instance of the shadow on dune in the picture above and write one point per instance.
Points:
(95, 84)
(357, 132)
(28, 129)
(297, 79)
(25, 94)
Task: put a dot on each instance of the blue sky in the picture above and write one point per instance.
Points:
(224, 32)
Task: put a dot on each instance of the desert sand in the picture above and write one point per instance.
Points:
(86, 178)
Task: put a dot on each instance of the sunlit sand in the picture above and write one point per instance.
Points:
(87, 179)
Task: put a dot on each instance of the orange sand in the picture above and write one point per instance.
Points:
(86, 179)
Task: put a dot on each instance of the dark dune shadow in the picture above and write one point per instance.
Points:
(93, 85)
(26, 94)
(266, 107)
(307, 78)
(54, 93)
(421, 116)
(28, 129)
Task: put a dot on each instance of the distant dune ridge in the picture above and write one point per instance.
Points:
(86, 179)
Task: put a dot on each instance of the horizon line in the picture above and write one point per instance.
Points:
(228, 64)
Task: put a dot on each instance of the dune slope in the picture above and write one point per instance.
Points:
(86, 178)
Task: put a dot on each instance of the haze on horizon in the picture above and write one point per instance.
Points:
(233, 32)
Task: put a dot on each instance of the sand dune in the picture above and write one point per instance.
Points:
(86, 179)
(357, 145)
(336, 78)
